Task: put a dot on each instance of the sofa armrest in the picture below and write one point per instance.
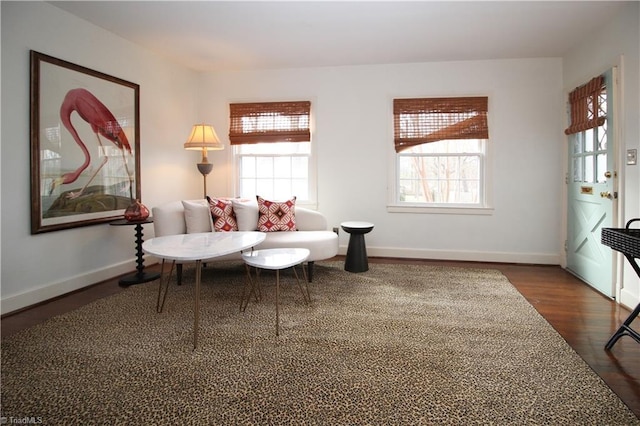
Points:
(310, 220)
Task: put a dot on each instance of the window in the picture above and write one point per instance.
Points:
(444, 172)
(275, 171)
(589, 127)
(272, 150)
(441, 152)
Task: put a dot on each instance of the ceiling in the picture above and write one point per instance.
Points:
(243, 35)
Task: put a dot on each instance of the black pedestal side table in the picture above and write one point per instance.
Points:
(356, 260)
(140, 276)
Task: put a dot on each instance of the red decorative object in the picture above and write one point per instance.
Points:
(136, 212)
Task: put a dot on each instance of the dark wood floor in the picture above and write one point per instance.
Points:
(583, 317)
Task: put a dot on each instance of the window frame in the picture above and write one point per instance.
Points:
(272, 137)
(394, 205)
(484, 207)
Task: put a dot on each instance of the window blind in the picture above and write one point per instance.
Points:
(423, 120)
(269, 122)
(583, 102)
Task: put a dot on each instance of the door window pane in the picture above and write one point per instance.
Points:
(577, 169)
(578, 142)
(588, 140)
(589, 169)
(601, 161)
(602, 137)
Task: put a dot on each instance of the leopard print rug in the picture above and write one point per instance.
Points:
(399, 344)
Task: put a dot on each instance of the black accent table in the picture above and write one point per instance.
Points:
(627, 241)
(356, 260)
(140, 276)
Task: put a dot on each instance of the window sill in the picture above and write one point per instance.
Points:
(483, 211)
(307, 205)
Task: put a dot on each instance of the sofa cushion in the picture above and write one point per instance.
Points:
(246, 212)
(276, 216)
(224, 219)
(197, 216)
(168, 219)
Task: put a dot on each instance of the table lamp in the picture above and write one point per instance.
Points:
(203, 137)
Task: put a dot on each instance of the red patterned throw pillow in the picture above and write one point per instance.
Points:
(224, 220)
(276, 216)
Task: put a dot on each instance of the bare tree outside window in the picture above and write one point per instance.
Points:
(440, 150)
(444, 172)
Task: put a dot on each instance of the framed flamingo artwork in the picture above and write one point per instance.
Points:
(85, 145)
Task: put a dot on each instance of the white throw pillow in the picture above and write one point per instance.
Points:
(246, 212)
(197, 216)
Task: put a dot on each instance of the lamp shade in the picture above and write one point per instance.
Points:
(203, 138)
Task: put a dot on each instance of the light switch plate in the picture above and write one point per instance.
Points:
(632, 157)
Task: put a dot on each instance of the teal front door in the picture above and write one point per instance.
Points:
(592, 197)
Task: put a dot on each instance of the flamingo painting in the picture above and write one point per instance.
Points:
(103, 123)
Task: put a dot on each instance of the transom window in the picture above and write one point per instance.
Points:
(272, 150)
(440, 148)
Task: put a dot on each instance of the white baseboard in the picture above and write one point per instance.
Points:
(33, 296)
(628, 299)
(470, 256)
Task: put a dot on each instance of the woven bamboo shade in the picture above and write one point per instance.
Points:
(583, 102)
(424, 120)
(261, 122)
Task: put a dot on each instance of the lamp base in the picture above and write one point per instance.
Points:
(205, 168)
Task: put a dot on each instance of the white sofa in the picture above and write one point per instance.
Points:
(312, 230)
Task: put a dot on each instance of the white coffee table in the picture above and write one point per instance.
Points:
(276, 259)
(197, 248)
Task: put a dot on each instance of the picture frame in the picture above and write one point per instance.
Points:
(85, 145)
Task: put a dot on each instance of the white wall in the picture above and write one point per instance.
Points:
(617, 44)
(352, 107)
(38, 267)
